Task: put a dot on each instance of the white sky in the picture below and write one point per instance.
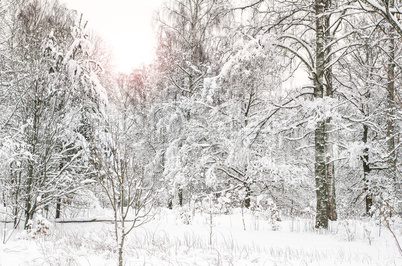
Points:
(125, 24)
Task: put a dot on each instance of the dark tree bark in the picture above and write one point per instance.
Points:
(320, 160)
(170, 203)
(329, 140)
(391, 95)
(366, 171)
(58, 208)
(180, 195)
(247, 200)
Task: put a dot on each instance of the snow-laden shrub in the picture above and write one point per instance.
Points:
(185, 217)
(264, 206)
(40, 226)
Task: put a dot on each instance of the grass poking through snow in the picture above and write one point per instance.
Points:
(167, 241)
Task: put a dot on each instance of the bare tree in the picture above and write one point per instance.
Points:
(387, 10)
(317, 48)
(131, 192)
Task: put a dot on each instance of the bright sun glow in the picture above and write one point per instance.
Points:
(132, 48)
(125, 25)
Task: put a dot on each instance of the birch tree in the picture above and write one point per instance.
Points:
(132, 195)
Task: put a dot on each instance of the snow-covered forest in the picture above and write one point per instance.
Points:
(263, 133)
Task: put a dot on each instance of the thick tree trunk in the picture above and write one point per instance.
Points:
(320, 160)
(329, 140)
(320, 177)
(330, 173)
(392, 126)
(391, 98)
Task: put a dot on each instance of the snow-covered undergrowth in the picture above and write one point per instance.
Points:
(168, 241)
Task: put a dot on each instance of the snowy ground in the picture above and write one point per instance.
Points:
(168, 241)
